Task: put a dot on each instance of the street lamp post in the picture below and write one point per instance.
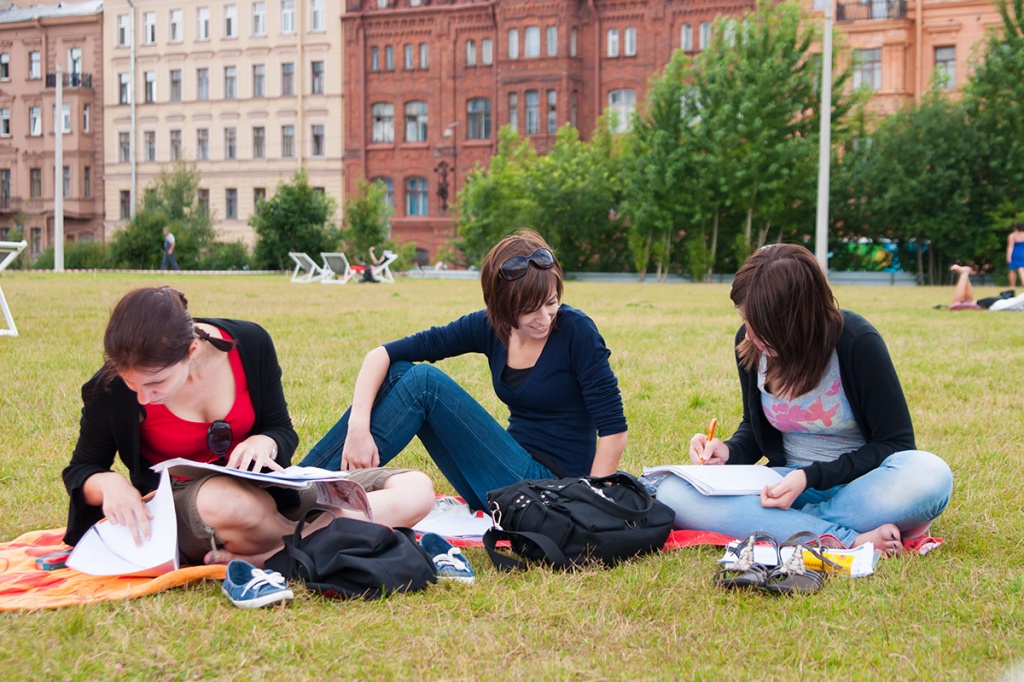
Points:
(825, 143)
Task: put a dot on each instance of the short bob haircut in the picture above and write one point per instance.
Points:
(785, 298)
(506, 301)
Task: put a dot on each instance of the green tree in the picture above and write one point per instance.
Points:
(296, 218)
(367, 218)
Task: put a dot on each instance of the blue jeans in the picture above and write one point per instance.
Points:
(470, 448)
(909, 489)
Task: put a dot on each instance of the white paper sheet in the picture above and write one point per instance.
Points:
(292, 477)
(736, 479)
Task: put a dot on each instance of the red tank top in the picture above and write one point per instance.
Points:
(163, 435)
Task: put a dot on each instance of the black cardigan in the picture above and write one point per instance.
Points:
(111, 415)
(876, 399)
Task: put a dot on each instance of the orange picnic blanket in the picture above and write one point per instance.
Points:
(25, 587)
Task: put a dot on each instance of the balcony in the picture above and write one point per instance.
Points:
(9, 204)
(874, 9)
(71, 80)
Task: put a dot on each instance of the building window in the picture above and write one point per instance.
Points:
(317, 78)
(65, 118)
(374, 58)
(230, 82)
(35, 121)
(319, 147)
(258, 194)
(259, 18)
(513, 43)
(175, 26)
(5, 66)
(613, 42)
(149, 28)
(123, 30)
(202, 143)
(316, 15)
(85, 118)
(424, 54)
(204, 201)
(124, 87)
(416, 122)
(287, 141)
(622, 104)
(573, 108)
(382, 115)
(573, 37)
(513, 111)
(867, 69)
(389, 186)
(86, 182)
(416, 196)
(230, 143)
(409, 55)
(202, 84)
(686, 38)
(231, 203)
(478, 119)
(35, 69)
(5, 122)
(149, 94)
(389, 58)
(126, 204)
(288, 78)
(287, 16)
(124, 146)
(945, 65)
(470, 53)
(259, 80)
(532, 112)
(230, 21)
(35, 183)
(67, 181)
(705, 35)
(75, 65)
(175, 85)
(532, 39)
(203, 23)
(175, 145)
(630, 47)
(487, 51)
(149, 139)
(37, 240)
(259, 142)
(552, 112)
(552, 41)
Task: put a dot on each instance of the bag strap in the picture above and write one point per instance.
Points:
(505, 563)
(607, 504)
(291, 546)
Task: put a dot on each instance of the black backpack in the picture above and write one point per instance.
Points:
(569, 522)
(352, 558)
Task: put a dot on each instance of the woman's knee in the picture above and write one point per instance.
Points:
(227, 502)
(417, 493)
(926, 473)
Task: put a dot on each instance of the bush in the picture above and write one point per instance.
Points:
(226, 256)
(77, 256)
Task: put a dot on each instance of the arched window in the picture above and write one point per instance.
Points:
(383, 116)
(470, 53)
(416, 122)
(389, 184)
(622, 103)
(478, 119)
(416, 196)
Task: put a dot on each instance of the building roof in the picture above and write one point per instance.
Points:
(61, 9)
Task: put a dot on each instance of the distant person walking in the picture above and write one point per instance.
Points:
(168, 251)
(1015, 253)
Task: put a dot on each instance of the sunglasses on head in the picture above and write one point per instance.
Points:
(516, 267)
(218, 438)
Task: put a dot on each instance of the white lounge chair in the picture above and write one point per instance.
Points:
(336, 269)
(8, 252)
(306, 270)
(382, 273)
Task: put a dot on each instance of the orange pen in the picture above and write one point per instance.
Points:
(711, 434)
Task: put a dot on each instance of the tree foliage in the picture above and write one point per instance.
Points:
(296, 218)
(367, 218)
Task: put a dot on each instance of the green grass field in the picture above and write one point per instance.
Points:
(955, 614)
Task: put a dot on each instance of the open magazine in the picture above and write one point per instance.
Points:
(735, 479)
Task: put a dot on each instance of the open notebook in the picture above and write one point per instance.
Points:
(736, 479)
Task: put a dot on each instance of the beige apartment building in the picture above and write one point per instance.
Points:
(249, 90)
(34, 41)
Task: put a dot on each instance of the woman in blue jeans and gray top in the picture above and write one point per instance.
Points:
(822, 402)
(548, 364)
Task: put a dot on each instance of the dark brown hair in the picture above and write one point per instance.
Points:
(506, 301)
(1017, 226)
(150, 328)
(788, 304)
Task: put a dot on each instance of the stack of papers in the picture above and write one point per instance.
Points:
(736, 479)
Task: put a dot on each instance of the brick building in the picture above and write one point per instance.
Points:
(428, 83)
(33, 42)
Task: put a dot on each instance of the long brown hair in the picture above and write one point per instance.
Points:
(151, 328)
(506, 301)
(788, 304)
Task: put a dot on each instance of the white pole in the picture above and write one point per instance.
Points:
(58, 176)
(825, 143)
(131, 100)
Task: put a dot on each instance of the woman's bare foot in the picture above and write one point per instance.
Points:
(961, 269)
(886, 538)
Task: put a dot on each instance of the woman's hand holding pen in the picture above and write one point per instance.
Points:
(705, 451)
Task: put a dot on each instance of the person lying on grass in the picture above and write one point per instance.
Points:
(822, 402)
(208, 390)
(548, 364)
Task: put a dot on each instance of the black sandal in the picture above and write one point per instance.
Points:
(745, 572)
(793, 576)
